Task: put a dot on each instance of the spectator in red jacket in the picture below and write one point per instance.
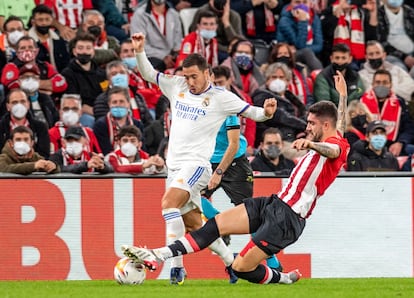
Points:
(70, 113)
(26, 53)
(130, 158)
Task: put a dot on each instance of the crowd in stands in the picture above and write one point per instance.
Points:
(72, 99)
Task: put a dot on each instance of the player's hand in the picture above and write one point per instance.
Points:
(270, 106)
(214, 181)
(302, 144)
(340, 84)
(138, 42)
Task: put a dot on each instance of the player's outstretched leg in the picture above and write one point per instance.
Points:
(265, 275)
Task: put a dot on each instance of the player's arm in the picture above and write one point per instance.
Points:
(340, 86)
(144, 66)
(261, 114)
(233, 136)
(328, 150)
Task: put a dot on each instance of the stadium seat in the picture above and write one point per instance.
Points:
(187, 16)
(262, 51)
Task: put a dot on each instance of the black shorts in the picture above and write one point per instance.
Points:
(274, 224)
(237, 181)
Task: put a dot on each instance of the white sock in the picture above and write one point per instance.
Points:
(175, 229)
(220, 248)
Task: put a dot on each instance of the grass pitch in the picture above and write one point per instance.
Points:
(332, 288)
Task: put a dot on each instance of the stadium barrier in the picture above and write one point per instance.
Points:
(65, 228)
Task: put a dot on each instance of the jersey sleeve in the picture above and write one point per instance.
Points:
(171, 85)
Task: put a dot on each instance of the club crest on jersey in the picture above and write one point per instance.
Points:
(206, 102)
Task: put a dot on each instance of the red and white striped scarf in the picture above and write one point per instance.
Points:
(269, 22)
(351, 32)
(390, 113)
(210, 52)
(309, 38)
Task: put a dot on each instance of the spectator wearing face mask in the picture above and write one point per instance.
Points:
(357, 118)
(26, 53)
(324, 87)
(245, 73)
(376, 58)
(129, 156)
(13, 29)
(270, 157)
(18, 114)
(84, 76)
(41, 104)
(19, 157)
(148, 90)
(118, 76)
(106, 46)
(202, 40)
(288, 117)
(70, 113)
(229, 24)
(52, 48)
(388, 107)
(74, 157)
(107, 127)
(372, 154)
(300, 85)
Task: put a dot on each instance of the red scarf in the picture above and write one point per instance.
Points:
(351, 33)
(68, 160)
(359, 134)
(390, 113)
(62, 130)
(141, 155)
(269, 21)
(297, 85)
(113, 127)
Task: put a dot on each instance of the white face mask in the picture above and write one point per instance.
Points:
(129, 149)
(14, 36)
(70, 118)
(21, 148)
(19, 111)
(277, 86)
(74, 148)
(30, 85)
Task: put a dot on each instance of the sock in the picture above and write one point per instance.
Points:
(208, 209)
(195, 241)
(261, 275)
(272, 262)
(220, 248)
(175, 229)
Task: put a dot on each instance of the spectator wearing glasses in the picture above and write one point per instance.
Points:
(70, 113)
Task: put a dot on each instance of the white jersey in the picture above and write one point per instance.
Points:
(196, 120)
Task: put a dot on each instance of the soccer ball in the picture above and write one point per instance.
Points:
(127, 272)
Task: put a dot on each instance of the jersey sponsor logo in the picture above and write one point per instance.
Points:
(9, 75)
(184, 111)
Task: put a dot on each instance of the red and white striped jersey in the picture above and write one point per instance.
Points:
(312, 176)
(67, 12)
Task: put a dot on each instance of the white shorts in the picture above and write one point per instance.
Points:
(192, 179)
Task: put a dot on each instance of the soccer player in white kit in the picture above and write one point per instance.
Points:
(198, 110)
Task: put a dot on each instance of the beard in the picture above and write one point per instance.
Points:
(315, 136)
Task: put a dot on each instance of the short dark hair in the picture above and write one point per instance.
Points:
(82, 36)
(206, 14)
(14, 90)
(382, 72)
(195, 59)
(325, 109)
(41, 9)
(222, 71)
(26, 37)
(271, 131)
(21, 129)
(340, 47)
(11, 19)
(116, 90)
(130, 130)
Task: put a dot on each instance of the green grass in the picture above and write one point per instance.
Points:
(332, 288)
